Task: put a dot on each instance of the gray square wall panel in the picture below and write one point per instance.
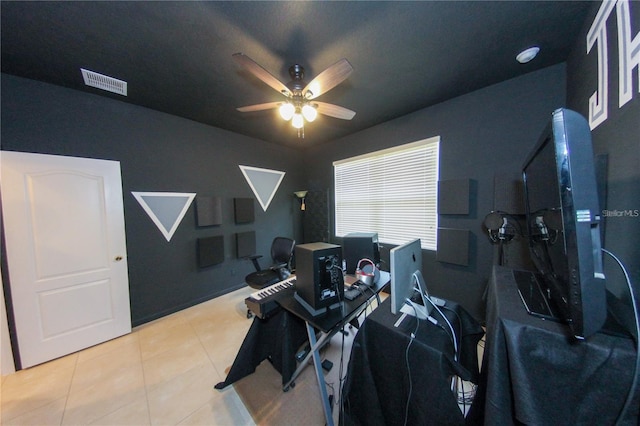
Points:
(453, 246)
(208, 211)
(453, 196)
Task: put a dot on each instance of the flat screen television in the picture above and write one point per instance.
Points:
(563, 220)
(405, 260)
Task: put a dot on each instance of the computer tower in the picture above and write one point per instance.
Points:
(360, 245)
(319, 280)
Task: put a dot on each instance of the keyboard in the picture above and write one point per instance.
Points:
(263, 303)
(273, 289)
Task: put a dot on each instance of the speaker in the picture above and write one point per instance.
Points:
(319, 282)
(360, 245)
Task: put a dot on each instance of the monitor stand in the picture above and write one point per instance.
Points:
(533, 297)
(414, 309)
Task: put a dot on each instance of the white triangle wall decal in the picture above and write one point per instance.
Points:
(263, 182)
(166, 209)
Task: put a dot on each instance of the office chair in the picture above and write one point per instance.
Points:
(281, 255)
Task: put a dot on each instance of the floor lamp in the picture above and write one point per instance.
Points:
(301, 195)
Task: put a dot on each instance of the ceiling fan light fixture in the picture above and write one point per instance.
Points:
(309, 112)
(287, 110)
(297, 121)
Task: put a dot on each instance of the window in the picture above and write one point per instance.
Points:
(393, 192)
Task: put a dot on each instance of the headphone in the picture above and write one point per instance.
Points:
(367, 274)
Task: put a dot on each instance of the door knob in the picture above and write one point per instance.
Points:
(118, 258)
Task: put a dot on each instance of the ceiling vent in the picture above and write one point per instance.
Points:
(104, 82)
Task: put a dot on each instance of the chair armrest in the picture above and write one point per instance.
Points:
(254, 259)
(277, 266)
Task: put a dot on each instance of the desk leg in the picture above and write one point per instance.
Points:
(313, 347)
(320, 376)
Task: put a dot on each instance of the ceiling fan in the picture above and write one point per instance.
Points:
(300, 104)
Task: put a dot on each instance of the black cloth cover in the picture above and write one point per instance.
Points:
(535, 373)
(377, 384)
(276, 339)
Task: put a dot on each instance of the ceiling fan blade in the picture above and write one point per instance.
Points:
(328, 79)
(334, 111)
(259, 107)
(264, 75)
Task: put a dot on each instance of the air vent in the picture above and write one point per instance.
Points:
(104, 82)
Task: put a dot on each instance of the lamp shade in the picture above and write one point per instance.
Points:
(297, 121)
(309, 113)
(287, 110)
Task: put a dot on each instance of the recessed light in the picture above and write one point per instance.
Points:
(527, 54)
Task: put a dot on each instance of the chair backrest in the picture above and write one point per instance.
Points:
(282, 250)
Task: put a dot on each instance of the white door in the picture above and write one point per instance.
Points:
(66, 253)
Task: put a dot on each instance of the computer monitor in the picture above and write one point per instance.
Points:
(563, 218)
(405, 259)
(357, 246)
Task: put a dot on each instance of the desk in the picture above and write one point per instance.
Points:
(377, 385)
(534, 373)
(328, 324)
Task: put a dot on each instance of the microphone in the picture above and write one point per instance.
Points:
(544, 231)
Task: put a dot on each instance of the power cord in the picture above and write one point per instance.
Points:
(453, 335)
(634, 382)
(406, 357)
(341, 379)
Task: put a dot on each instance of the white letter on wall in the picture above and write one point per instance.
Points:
(598, 33)
(628, 53)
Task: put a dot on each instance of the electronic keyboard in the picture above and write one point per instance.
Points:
(263, 303)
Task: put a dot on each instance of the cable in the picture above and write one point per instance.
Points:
(459, 320)
(340, 377)
(453, 333)
(406, 357)
(417, 275)
(634, 382)
(425, 297)
(459, 338)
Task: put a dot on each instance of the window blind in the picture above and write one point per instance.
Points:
(393, 192)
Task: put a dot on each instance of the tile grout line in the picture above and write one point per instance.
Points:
(144, 378)
(188, 320)
(66, 399)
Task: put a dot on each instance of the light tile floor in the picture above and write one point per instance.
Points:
(162, 373)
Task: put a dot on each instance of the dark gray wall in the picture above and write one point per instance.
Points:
(617, 138)
(484, 133)
(158, 152)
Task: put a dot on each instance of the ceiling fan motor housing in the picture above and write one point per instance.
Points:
(297, 79)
